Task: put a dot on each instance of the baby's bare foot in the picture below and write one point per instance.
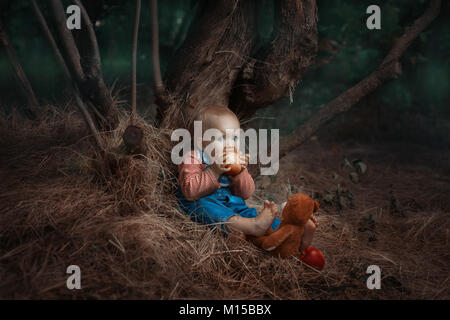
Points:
(265, 217)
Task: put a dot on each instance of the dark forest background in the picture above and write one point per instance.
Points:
(414, 107)
(380, 170)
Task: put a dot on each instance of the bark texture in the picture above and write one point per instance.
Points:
(277, 68)
(205, 67)
(73, 86)
(86, 69)
(214, 65)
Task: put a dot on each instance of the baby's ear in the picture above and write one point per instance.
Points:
(316, 206)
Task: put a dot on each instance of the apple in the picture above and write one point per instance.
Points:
(235, 166)
(313, 257)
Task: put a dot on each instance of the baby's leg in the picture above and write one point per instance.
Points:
(308, 235)
(256, 226)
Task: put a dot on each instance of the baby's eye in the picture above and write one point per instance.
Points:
(235, 138)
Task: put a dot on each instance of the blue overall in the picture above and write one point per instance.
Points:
(217, 207)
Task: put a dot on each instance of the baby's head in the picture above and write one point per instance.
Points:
(226, 125)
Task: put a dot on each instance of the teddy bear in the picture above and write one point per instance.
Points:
(286, 239)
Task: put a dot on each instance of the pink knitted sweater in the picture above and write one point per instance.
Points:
(195, 182)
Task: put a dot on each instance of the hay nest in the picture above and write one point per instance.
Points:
(116, 217)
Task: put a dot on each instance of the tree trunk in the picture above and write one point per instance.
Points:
(278, 66)
(86, 70)
(158, 85)
(60, 60)
(94, 87)
(134, 60)
(207, 64)
(133, 137)
(214, 65)
(157, 78)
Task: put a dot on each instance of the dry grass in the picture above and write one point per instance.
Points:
(412, 249)
(116, 217)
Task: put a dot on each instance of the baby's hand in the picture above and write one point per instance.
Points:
(243, 160)
(219, 168)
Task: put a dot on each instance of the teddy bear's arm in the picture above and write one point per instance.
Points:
(276, 238)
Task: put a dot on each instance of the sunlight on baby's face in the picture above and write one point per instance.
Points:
(229, 128)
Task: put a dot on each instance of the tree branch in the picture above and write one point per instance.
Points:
(133, 137)
(93, 8)
(69, 48)
(93, 86)
(390, 68)
(206, 65)
(92, 64)
(48, 35)
(278, 67)
(78, 101)
(157, 78)
(133, 60)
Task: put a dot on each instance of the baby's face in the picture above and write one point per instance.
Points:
(228, 135)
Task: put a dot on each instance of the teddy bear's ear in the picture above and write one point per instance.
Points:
(316, 206)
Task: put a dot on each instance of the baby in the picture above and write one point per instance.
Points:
(210, 196)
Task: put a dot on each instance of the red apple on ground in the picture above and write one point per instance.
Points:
(313, 257)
